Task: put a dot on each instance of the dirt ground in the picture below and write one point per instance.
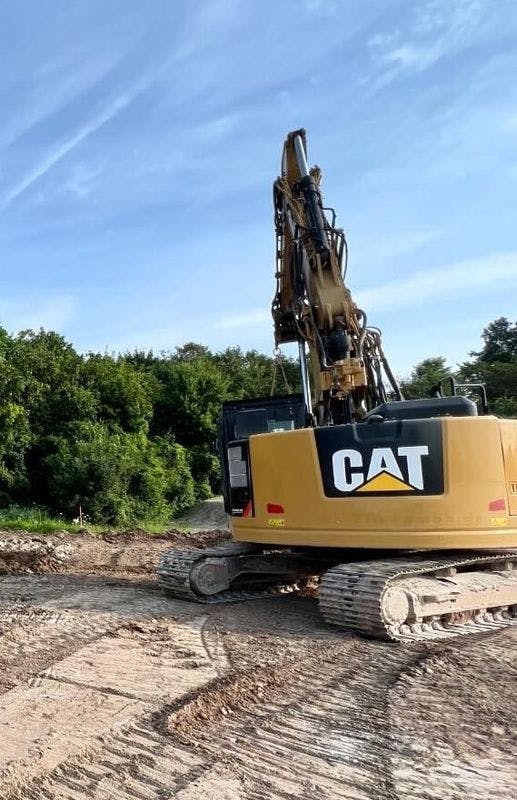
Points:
(206, 515)
(109, 689)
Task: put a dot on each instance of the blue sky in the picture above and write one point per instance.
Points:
(139, 142)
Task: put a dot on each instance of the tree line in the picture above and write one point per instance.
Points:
(129, 438)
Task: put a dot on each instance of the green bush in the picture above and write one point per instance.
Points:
(15, 438)
(117, 478)
(123, 396)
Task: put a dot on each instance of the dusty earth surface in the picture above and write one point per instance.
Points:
(109, 689)
(206, 515)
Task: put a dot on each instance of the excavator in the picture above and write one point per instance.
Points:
(402, 513)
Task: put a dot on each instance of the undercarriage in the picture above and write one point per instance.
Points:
(402, 597)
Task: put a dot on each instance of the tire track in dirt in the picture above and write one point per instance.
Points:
(90, 697)
(322, 733)
(124, 596)
(135, 763)
(93, 666)
(369, 720)
(83, 659)
(454, 722)
(345, 721)
(32, 638)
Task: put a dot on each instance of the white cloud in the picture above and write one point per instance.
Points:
(117, 105)
(59, 152)
(465, 278)
(82, 179)
(460, 278)
(437, 29)
(213, 130)
(54, 84)
(510, 122)
(325, 8)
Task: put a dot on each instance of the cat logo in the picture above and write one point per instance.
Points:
(386, 470)
(395, 458)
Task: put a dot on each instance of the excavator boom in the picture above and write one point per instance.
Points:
(312, 304)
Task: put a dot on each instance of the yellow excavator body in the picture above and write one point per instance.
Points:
(474, 507)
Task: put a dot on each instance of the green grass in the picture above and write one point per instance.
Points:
(33, 520)
(38, 520)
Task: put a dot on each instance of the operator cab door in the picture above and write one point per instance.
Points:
(242, 419)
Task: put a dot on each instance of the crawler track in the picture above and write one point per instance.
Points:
(355, 597)
(175, 568)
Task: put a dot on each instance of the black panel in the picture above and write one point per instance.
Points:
(243, 418)
(455, 406)
(402, 452)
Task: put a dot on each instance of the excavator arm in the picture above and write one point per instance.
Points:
(312, 304)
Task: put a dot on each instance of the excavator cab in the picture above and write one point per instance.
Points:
(240, 420)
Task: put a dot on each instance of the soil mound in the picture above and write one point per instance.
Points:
(131, 552)
(20, 554)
